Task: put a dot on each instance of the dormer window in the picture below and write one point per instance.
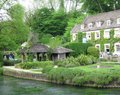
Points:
(118, 21)
(90, 25)
(109, 22)
(82, 26)
(98, 24)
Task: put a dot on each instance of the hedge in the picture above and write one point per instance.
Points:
(78, 48)
(34, 65)
(93, 51)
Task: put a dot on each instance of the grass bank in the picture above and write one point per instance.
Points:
(107, 75)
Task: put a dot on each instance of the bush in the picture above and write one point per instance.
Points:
(83, 60)
(93, 51)
(86, 60)
(68, 62)
(73, 62)
(78, 48)
(34, 65)
(10, 62)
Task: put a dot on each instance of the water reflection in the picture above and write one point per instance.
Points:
(13, 86)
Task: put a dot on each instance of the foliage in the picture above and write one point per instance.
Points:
(73, 20)
(103, 40)
(84, 60)
(46, 38)
(93, 51)
(34, 65)
(99, 6)
(12, 30)
(48, 21)
(78, 48)
(55, 42)
(80, 37)
(74, 62)
(86, 75)
(68, 62)
(10, 62)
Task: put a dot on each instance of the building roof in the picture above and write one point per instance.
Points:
(61, 50)
(103, 17)
(39, 48)
(76, 28)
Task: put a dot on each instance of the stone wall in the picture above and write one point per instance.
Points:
(26, 74)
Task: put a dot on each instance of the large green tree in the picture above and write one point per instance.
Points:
(47, 21)
(13, 32)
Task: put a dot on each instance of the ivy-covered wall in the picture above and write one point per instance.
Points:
(102, 40)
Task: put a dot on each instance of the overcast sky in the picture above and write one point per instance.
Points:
(28, 4)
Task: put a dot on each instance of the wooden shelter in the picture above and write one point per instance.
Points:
(37, 52)
(60, 53)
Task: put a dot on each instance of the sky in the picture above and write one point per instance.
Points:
(28, 4)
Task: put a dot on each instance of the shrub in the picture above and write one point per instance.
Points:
(82, 59)
(93, 51)
(34, 65)
(93, 59)
(73, 62)
(10, 62)
(68, 62)
(78, 48)
(86, 60)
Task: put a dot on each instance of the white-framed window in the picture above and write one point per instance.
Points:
(109, 22)
(88, 35)
(117, 47)
(97, 46)
(90, 25)
(98, 24)
(74, 36)
(82, 26)
(118, 20)
(97, 35)
(107, 48)
(117, 32)
(107, 33)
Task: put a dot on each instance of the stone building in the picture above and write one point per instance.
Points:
(103, 29)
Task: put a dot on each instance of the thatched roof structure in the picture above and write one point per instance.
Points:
(38, 48)
(61, 50)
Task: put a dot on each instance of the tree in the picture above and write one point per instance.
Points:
(98, 6)
(76, 18)
(47, 21)
(13, 32)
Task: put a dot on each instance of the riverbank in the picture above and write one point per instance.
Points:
(66, 76)
(16, 86)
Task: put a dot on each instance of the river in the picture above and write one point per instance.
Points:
(14, 86)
